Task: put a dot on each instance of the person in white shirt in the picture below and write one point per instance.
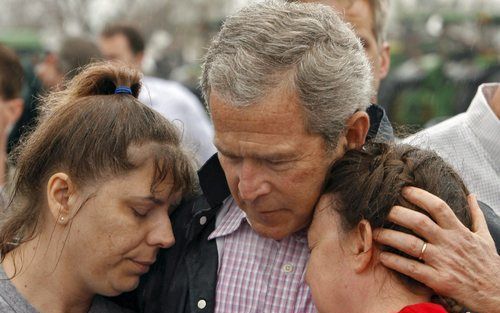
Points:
(124, 43)
(470, 142)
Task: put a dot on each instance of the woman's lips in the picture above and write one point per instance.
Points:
(142, 266)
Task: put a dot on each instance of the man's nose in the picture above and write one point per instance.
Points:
(252, 181)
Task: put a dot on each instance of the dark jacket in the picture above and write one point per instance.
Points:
(184, 278)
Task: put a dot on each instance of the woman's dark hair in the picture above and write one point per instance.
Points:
(367, 183)
(86, 131)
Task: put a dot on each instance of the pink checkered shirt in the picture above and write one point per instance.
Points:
(258, 274)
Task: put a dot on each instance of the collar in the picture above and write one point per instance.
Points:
(482, 120)
(231, 221)
(213, 180)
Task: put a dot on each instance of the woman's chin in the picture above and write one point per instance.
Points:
(121, 287)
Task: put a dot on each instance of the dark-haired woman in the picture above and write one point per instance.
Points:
(96, 181)
(344, 271)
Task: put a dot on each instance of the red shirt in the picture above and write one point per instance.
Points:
(423, 308)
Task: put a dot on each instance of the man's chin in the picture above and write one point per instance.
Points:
(276, 232)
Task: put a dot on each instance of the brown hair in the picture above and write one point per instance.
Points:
(368, 183)
(131, 33)
(86, 131)
(11, 74)
(75, 53)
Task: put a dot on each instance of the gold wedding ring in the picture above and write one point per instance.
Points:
(424, 247)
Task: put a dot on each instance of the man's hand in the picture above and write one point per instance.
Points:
(457, 262)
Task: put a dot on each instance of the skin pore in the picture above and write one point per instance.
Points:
(274, 167)
(344, 272)
(85, 245)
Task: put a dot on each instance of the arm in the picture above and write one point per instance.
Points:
(457, 262)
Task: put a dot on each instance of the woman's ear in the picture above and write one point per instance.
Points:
(362, 246)
(60, 197)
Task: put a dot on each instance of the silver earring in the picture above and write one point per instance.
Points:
(62, 219)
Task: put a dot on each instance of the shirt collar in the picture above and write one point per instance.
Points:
(231, 221)
(213, 182)
(482, 120)
(235, 217)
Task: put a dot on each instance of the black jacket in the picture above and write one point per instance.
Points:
(184, 278)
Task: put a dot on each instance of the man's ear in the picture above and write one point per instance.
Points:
(362, 246)
(357, 129)
(385, 60)
(60, 196)
(16, 108)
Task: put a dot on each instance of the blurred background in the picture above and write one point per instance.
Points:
(442, 50)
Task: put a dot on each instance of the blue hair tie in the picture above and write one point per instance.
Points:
(123, 89)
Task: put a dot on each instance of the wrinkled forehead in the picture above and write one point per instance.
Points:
(278, 110)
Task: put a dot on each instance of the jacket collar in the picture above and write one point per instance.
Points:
(213, 180)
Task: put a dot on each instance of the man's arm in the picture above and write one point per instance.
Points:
(457, 262)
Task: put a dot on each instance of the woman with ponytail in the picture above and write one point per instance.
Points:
(344, 270)
(95, 184)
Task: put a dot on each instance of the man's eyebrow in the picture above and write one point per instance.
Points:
(222, 149)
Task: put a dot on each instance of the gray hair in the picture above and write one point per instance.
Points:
(306, 46)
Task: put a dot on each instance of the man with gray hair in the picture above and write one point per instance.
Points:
(288, 87)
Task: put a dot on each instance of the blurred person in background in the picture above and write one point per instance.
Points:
(58, 66)
(11, 106)
(96, 182)
(368, 19)
(470, 142)
(125, 43)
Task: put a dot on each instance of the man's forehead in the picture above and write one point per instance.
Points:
(274, 112)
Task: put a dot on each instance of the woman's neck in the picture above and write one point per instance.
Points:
(384, 293)
(41, 275)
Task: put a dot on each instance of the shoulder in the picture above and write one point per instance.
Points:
(10, 299)
(438, 136)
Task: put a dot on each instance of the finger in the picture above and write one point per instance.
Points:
(414, 269)
(418, 222)
(479, 225)
(437, 208)
(406, 243)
